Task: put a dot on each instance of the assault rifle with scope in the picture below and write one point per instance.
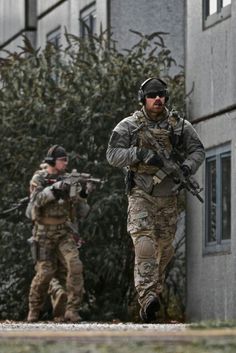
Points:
(171, 166)
(72, 179)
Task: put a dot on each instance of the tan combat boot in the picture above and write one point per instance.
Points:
(33, 315)
(59, 305)
(72, 316)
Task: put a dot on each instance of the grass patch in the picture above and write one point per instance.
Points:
(75, 346)
(213, 324)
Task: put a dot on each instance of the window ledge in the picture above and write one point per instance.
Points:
(217, 17)
(218, 249)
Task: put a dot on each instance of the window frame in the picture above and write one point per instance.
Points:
(219, 246)
(54, 37)
(88, 12)
(222, 13)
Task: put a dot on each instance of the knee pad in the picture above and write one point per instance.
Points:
(145, 248)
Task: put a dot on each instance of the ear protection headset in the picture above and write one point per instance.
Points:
(50, 158)
(141, 92)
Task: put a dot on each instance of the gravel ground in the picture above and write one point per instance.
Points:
(85, 326)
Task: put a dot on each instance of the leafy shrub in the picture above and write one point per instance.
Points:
(73, 97)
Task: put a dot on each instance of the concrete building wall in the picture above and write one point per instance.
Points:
(121, 15)
(12, 18)
(210, 62)
(17, 44)
(17, 19)
(45, 5)
(65, 17)
(54, 20)
(148, 17)
(211, 278)
(210, 67)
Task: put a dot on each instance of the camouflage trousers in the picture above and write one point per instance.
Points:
(56, 245)
(58, 296)
(152, 226)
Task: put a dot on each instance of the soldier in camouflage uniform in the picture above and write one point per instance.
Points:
(52, 211)
(56, 289)
(152, 207)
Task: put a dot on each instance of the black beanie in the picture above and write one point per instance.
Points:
(56, 152)
(60, 152)
(154, 85)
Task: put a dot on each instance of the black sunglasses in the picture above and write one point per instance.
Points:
(155, 94)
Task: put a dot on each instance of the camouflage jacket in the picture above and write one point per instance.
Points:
(44, 204)
(123, 144)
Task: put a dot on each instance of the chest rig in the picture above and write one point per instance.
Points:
(160, 134)
(57, 208)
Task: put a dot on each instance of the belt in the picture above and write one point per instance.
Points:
(51, 221)
(50, 227)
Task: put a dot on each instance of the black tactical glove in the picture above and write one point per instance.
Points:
(60, 190)
(149, 157)
(186, 171)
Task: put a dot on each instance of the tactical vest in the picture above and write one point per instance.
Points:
(56, 208)
(160, 135)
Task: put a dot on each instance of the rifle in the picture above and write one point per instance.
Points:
(74, 179)
(171, 167)
(21, 203)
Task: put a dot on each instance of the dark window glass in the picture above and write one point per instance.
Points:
(226, 197)
(211, 198)
(218, 199)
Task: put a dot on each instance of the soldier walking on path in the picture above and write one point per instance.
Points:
(53, 210)
(148, 144)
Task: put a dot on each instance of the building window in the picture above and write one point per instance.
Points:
(88, 20)
(218, 199)
(54, 37)
(215, 11)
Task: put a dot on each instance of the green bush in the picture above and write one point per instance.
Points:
(73, 97)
